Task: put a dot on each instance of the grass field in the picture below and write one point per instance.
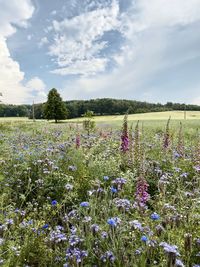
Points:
(113, 198)
(117, 119)
(175, 115)
(152, 119)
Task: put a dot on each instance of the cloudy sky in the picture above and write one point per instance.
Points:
(132, 49)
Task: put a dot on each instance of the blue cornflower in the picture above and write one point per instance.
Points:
(54, 202)
(155, 216)
(45, 226)
(144, 238)
(113, 189)
(106, 178)
(112, 222)
(85, 204)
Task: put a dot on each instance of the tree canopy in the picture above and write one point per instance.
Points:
(103, 106)
(55, 108)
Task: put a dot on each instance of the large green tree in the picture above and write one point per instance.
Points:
(55, 108)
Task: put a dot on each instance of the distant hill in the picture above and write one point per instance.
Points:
(103, 106)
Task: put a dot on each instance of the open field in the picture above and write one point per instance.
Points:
(117, 119)
(155, 119)
(175, 115)
(117, 197)
(14, 119)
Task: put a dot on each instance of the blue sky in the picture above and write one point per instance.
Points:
(131, 49)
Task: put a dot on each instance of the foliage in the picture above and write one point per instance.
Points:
(14, 110)
(104, 106)
(88, 123)
(63, 206)
(55, 108)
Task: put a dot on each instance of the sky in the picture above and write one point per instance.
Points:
(145, 50)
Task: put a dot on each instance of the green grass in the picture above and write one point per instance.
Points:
(152, 119)
(156, 120)
(5, 119)
(175, 115)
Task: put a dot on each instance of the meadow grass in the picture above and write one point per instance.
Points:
(116, 197)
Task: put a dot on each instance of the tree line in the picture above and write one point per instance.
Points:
(77, 108)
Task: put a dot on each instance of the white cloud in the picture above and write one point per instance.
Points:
(36, 84)
(29, 37)
(54, 12)
(43, 41)
(12, 83)
(37, 88)
(15, 12)
(11, 77)
(146, 14)
(168, 13)
(77, 41)
(12, 80)
(83, 67)
(154, 45)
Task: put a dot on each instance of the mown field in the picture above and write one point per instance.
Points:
(127, 194)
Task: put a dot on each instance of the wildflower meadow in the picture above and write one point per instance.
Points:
(127, 196)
